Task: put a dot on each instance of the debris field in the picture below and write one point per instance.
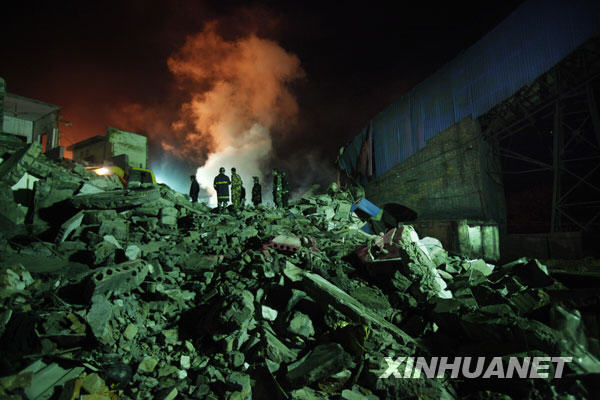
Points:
(109, 293)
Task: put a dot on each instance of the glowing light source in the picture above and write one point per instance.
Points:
(102, 171)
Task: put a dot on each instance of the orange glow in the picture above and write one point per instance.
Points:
(234, 85)
(238, 92)
(231, 94)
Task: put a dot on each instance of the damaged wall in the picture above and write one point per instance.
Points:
(451, 177)
(93, 150)
(18, 127)
(132, 144)
(98, 149)
(33, 120)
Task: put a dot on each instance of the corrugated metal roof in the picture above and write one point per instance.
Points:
(533, 39)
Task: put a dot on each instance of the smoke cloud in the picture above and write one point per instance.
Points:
(239, 96)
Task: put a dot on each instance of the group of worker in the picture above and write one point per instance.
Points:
(238, 193)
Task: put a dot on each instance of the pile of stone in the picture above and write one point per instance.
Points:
(109, 293)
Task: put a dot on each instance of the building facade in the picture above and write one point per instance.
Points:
(115, 143)
(31, 120)
(446, 147)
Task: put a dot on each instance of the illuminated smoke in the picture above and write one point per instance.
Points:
(239, 94)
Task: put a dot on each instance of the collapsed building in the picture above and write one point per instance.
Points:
(137, 293)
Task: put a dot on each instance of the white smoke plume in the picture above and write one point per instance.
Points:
(240, 93)
(247, 157)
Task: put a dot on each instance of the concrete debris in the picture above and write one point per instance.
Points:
(436, 251)
(268, 313)
(98, 318)
(116, 199)
(45, 378)
(12, 169)
(11, 213)
(283, 243)
(120, 278)
(132, 252)
(69, 226)
(135, 294)
(301, 325)
(93, 383)
(14, 279)
(479, 266)
(320, 363)
(147, 365)
(325, 291)
(275, 350)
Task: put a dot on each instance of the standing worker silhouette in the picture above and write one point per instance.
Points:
(221, 185)
(256, 192)
(285, 190)
(236, 189)
(194, 189)
(277, 188)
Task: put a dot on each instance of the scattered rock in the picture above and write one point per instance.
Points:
(156, 297)
(320, 363)
(92, 383)
(147, 365)
(301, 325)
(268, 313)
(130, 331)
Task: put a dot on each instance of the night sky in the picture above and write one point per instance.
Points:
(96, 59)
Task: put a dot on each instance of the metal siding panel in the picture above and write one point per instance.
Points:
(404, 137)
(533, 39)
(384, 138)
(392, 136)
(445, 103)
(380, 143)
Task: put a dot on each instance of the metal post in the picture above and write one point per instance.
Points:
(557, 140)
(56, 129)
(593, 111)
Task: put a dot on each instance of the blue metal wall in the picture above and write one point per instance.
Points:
(533, 39)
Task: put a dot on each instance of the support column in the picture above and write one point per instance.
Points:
(557, 138)
(593, 111)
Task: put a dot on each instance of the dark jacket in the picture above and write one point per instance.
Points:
(221, 185)
(285, 187)
(277, 183)
(256, 194)
(194, 189)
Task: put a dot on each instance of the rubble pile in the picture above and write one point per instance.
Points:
(109, 293)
